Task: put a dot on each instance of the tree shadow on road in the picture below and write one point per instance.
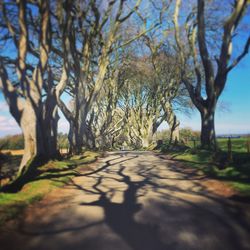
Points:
(172, 217)
(120, 216)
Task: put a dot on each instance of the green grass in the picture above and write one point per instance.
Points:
(13, 204)
(236, 173)
(52, 175)
(243, 188)
(238, 144)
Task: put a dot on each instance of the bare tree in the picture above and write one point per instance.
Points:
(213, 73)
(24, 76)
(92, 40)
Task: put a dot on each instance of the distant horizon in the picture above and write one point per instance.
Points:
(162, 129)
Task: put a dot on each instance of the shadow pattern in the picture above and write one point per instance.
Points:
(156, 212)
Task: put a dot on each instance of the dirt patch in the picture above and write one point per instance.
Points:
(55, 201)
(220, 188)
(217, 187)
(13, 151)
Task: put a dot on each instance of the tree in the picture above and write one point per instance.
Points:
(166, 70)
(93, 37)
(24, 76)
(213, 73)
(107, 120)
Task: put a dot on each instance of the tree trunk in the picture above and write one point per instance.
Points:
(33, 139)
(50, 135)
(40, 133)
(75, 139)
(147, 134)
(208, 140)
(89, 139)
(49, 122)
(173, 123)
(174, 129)
(175, 132)
(145, 142)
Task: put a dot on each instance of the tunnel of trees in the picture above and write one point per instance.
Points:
(116, 69)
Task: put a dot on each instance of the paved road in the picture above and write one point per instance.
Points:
(132, 200)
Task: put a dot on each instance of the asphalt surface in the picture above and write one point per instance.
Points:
(131, 200)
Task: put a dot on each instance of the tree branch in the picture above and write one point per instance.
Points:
(241, 56)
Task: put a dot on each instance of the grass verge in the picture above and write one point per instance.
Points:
(52, 175)
(236, 173)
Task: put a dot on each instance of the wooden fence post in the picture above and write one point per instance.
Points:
(229, 150)
(248, 146)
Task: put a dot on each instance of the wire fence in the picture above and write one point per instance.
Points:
(240, 145)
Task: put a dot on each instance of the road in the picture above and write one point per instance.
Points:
(132, 200)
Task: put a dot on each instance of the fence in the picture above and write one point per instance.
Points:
(230, 144)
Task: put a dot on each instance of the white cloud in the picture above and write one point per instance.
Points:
(8, 126)
(3, 106)
(63, 125)
(2, 118)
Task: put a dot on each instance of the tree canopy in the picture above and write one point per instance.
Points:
(116, 69)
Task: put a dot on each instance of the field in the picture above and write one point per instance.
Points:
(13, 151)
(21, 151)
(239, 145)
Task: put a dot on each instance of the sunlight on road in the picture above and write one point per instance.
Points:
(135, 201)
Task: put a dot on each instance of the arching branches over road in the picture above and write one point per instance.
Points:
(116, 69)
(94, 35)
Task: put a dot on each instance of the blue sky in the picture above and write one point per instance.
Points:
(235, 118)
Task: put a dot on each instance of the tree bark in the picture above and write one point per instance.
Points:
(172, 121)
(49, 123)
(175, 132)
(214, 77)
(147, 134)
(89, 139)
(75, 138)
(33, 139)
(208, 138)
(145, 142)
